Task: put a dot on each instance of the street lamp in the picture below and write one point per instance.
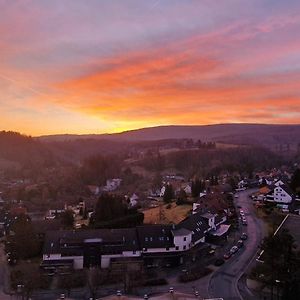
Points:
(277, 287)
(20, 288)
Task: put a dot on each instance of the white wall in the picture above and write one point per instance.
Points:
(211, 222)
(51, 256)
(195, 206)
(158, 250)
(279, 183)
(131, 254)
(77, 264)
(180, 242)
(281, 195)
(200, 241)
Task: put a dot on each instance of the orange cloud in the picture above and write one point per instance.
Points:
(235, 72)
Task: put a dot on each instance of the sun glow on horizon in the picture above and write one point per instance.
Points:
(132, 65)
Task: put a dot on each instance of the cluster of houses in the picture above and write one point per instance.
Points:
(279, 193)
(111, 185)
(100, 247)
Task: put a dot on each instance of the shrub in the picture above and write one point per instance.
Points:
(157, 281)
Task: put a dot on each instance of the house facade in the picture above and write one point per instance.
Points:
(280, 193)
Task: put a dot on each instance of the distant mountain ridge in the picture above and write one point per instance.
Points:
(46, 150)
(259, 134)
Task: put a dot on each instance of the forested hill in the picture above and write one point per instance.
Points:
(271, 136)
(23, 150)
(46, 150)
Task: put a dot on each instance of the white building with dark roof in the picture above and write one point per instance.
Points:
(98, 247)
(280, 193)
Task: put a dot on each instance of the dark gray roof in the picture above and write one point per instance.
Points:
(195, 223)
(181, 232)
(287, 189)
(155, 236)
(72, 242)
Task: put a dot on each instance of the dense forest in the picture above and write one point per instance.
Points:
(88, 161)
(206, 162)
(23, 149)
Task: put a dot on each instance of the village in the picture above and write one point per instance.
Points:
(188, 228)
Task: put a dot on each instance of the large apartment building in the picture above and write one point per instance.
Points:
(98, 247)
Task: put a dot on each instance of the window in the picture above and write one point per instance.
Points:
(184, 247)
(176, 248)
(134, 252)
(167, 249)
(184, 238)
(146, 239)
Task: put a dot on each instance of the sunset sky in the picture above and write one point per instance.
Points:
(108, 66)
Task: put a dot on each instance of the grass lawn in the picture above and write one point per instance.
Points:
(175, 214)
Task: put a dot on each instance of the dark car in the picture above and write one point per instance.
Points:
(240, 243)
(219, 262)
(227, 255)
(234, 249)
(244, 236)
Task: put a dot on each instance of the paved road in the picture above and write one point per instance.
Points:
(225, 281)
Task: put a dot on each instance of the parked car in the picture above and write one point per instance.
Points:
(212, 252)
(227, 255)
(234, 249)
(240, 243)
(244, 236)
(219, 262)
(244, 223)
(12, 261)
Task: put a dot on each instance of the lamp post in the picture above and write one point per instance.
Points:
(20, 289)
(277, 288)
